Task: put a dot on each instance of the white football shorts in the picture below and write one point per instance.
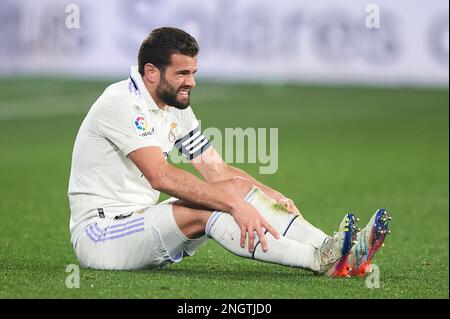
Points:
(145, 239)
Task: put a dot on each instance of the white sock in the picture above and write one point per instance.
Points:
(284, 251)
(291, 226)
(302, 231)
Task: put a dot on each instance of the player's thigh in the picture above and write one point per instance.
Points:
(190, 221)
(135, 242)
(181, 229)
(190, 218)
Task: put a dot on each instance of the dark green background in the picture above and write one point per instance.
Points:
(340, 149)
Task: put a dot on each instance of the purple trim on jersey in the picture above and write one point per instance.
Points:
(132, 88)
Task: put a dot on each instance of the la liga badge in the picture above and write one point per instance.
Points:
(142, 126)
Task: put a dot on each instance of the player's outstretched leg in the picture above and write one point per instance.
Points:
(297, 228)
(369, 241)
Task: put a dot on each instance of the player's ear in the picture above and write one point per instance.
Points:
(151, 73)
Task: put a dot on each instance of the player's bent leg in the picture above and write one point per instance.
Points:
(191, 222)
(292, 226)
(191, 219)
(181, 229)
(224, 230)
(329, 259)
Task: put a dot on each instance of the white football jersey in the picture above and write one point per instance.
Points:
(103, 180)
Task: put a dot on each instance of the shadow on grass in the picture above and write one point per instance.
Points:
(234, 273)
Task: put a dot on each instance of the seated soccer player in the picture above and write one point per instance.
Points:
(119, 168)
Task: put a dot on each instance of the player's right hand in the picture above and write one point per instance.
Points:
(250, 222)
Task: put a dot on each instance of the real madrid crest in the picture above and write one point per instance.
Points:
(173, 132)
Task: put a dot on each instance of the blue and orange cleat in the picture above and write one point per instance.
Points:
(335, 250)
(368, 242)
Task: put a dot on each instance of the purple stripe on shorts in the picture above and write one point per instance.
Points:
(117, 236)
(123, 234)
(124, 229)
(96, 240)
(133, 88)
(98, 230)
(89, 235)
(94, 232)
(125, 224)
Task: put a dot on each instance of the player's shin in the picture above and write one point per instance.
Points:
(284, 251)
(290, 225)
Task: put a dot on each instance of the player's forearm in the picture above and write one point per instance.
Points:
(232, 171)
(266, 189)
(183, 185)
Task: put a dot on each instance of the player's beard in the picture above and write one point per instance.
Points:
(168, 94)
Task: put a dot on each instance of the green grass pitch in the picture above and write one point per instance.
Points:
(340, 149)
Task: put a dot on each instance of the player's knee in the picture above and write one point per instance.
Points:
(192, 222)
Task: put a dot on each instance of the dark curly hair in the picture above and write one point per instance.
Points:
(161, 43)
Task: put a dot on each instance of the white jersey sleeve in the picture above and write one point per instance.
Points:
(125, 126)
(191, 143)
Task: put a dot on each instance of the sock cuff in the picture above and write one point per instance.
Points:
(251, 194)
(212, 219)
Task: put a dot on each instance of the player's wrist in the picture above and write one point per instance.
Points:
(237, 206)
